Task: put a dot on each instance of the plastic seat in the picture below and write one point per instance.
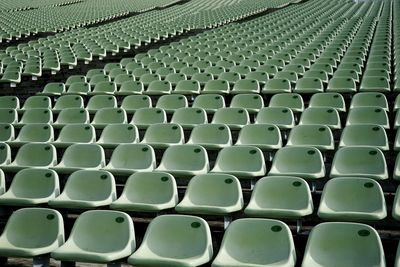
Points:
(37, 115)
(211, 136)
(32, 233)
(7, 132)
(277, 85)
(246, 86)
(9, 102)
(75, 78)
(98, 236)
(106, 116)
(170, 103)
(5, 154)
(172, 240)
(369, 100)
(115, 134)
(293, 101)
(174, 78)
(30, 187)
(129, 158)
(244, 162)
(309, 85)
(256, 242)
(148, 192)
(81, 156)
(341, 85)
(78, 88)
(304, 162)
(159, 88)
(264, 136)
(212, 194)
(145, 117)
(396, 211)
(321, 116)
(8, 116)
(280, 197)
(368, 115)
(279, 116)
(86, 189)
(104, 88)
(219, 86)
(189, 117)
(33, 102)
(184, 160)
(359, 162)
(235, 118)
(98, 102)
(251, 102)
(364, 135)
(328, 100)
(72, 116)
(33, 155)
(67, 101)
(375, 84)
(187, 87)
(132, 103)
(350, 244)
(53, 89)
(130, 87)
(163, 135)
(75, 133)
(210, 102)
(352, 199)
(318, 136)
(34, 133)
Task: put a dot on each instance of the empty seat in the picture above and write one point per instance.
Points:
(251, 102)
(86, 189)
(145, 117)
(184, 160)
(368, 115)
(219, 86)
(32, 232)
(235, 118)
(34, 133)
(75, 133)
(132, 103)
(32, 102)
(33, 155)
(293, 101)
(364, 135)
(328, 100)
(352, 199)
(189, 117)
(115, 134)
(170, 103)
(7, 132)
(67, 101)
(106, 116)
(369, 100)
(8, 115)
(276, 86)
(246, 86)
(172, 240)
(256, 242)
(159, 88)
(37, 115)
(130, 87)
(350, 244)
(5, 154)
(342, 85)
(81, 156)
(212, 194)
(104, 88)
(321, 116)
(99, 236)
(148, 192)
(72, 116)
(263, 136)
(305, 162)
(9, 102)
(359, 162)
(282, 117)
(211, 136)
(98, 102)
(163, 135)
(318, 136)
(309, 85)
(129, 158)
(240, 161)
(78, 88)
(30, 187)
(396, 209)
(210, 102)
(280, 197)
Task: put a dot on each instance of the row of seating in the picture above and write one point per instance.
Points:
(267, 137)
(108, 236)
(285, 197)
(244, 161)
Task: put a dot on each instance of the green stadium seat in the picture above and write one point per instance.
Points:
(5, 154)
(74, 79)
(170, 103)
(78, 88)
(280, 197)
(251, 102)
(369, 100)
(86, 189)
(7, 132)
(212, 194)
(148, 192)
(106, 116)
(130, 87)
(163, 135)
(174, 240)
(145, 117)
(98, 102)
(75, 133)
(293, 101)
(9, 102)
(256, 242)
(36, 115)
(304, 162)
(235, 118)
(8, 115)
(357, 161)
(351, 244)
(352, 199)
(115, 134)
(32, 233)
(364, 135)
(368, 115)
(342, 85)
(219, 86)
(53, 89)
(104, 88)
(187, 87)
(396, 214)
(184, 160)
(321, 116)
(67, 101)
(71, 116)
(375, 84)
(264, 136)
(328, 100)
(132, 103)
(81, 156)
(244, 162)
(98, 236)
(246, 86)
(209, 102)
(211, 136)
(276, 86)
(188, 118)
(279, 116)
(318, 136)
(159, 88)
